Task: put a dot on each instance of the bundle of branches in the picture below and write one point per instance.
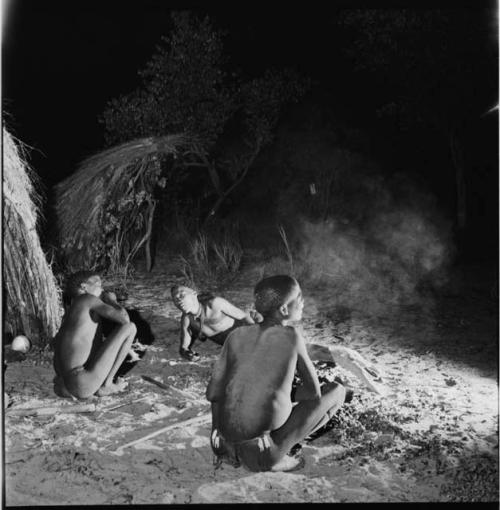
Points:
(105, 209)
(32, 296)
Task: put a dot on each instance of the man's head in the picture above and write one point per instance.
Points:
(83, 282)
(279, 295)
(185, 298)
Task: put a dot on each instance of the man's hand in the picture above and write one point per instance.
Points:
(215, 439)
(109, 297)
(256, 316)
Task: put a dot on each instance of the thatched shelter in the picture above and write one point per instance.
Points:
(32, 298)
(105, 209)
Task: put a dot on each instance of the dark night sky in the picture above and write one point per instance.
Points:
(63, 60)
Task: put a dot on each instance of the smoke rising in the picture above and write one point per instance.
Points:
(388, 260)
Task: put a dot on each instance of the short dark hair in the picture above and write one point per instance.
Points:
(74, 282)
(273, 292)
(177, 286)
(203, 297)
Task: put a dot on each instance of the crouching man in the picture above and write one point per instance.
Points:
(85, 364)
(254, 421)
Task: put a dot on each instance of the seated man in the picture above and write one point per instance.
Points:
(85, 364)
(203, 317)
(253, 418)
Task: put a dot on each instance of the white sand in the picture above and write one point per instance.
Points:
(433, 438)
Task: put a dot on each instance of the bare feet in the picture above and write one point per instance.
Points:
(133, 356)
(137, 346)
(110, 389)
(289, 463)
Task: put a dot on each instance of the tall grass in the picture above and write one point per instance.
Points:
(289, 259)
(288, 250)
(211, 263)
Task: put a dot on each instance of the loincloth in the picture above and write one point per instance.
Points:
(254, 453)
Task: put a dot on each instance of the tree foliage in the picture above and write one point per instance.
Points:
(187, 87)
(183, 88)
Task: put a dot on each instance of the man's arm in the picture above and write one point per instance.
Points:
(310, 388)
(232, 311)
(216, 385)
(185, 334)
(108, 308)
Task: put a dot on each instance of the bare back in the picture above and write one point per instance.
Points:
(257, 379)
(80, 334)
(79, 331)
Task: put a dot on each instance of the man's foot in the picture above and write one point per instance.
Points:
(132, 356)
(295, 449)
(137, 346)
(110, 389)
(289, 463)
(189, 354)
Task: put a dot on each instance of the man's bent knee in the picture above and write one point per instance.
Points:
(129, 328)
(334, 388)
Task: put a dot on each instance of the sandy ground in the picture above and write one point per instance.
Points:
(433, 437)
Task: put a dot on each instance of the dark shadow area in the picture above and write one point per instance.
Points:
(144, 336)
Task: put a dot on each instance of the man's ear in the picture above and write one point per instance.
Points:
(284, 310)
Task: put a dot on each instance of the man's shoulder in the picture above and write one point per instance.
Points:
(291, 330)
(84, 300)
(87, 303)
(287, 333)
(242, 334)
(215, 302)
(293, 333)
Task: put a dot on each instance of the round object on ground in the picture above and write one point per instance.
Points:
(21, 343)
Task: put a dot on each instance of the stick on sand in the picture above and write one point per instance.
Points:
(123, 404)
(197, 419)
(164, 386)
(46, 411)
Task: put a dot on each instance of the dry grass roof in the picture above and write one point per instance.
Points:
(31, 294)
(105, 178)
